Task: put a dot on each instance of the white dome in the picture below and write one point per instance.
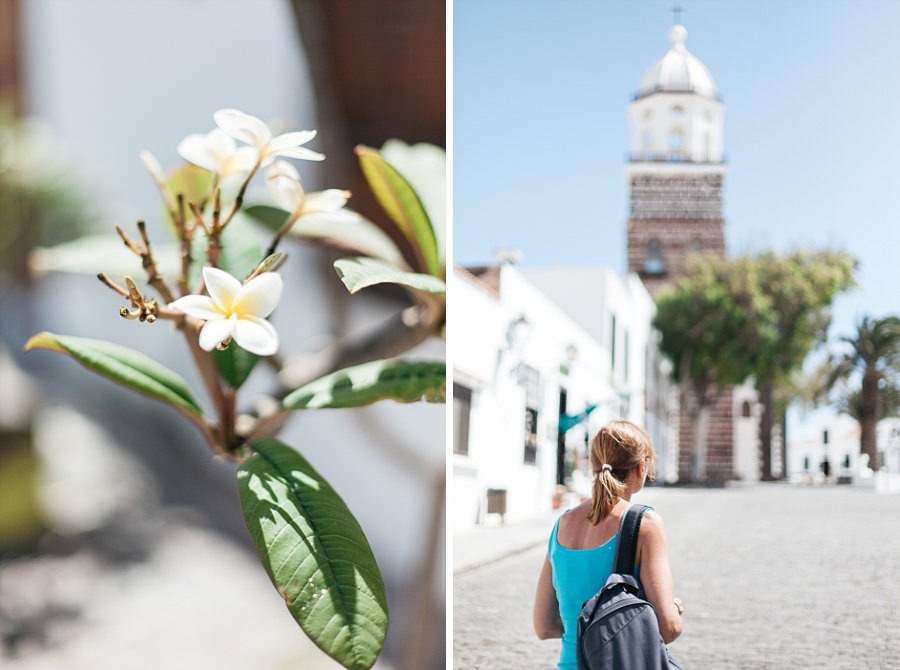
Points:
(678, 71)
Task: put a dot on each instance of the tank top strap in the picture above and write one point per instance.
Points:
(553, 541)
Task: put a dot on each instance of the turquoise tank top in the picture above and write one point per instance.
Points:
(577, 575)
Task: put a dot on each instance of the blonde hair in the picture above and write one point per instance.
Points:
(616, 450)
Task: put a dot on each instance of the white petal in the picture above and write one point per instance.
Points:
(259, 296)
(326, 201)
(220, 145)
(243, 127)
(282, 169)
(153, 167)
(288, 140)
(297, 152)
(284, 186)
(193, 149)
(200, 306)
(257, 336)
(222, 287)
(324, 221)
(243, 159)
(216, 331)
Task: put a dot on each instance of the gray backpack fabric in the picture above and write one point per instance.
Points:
(617, 628)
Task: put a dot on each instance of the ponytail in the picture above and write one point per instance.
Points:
(606, 493)
(616, 450)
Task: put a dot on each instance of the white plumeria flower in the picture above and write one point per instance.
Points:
(251, 130)
(217, 152)
(320, 207)
(233, 310)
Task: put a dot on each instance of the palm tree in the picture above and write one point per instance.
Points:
(875, 356)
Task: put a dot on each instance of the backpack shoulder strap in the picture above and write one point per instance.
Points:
(626, 543)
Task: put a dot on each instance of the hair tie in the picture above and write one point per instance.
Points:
(606, 466)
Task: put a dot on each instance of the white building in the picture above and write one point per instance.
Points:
(835, 438)
(521, 362)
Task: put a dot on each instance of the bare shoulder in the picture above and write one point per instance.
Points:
(652, 525)
(576, 516)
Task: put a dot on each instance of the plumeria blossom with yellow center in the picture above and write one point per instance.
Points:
(254, 132)
(218, 152)
(235, 310)
(321, 207)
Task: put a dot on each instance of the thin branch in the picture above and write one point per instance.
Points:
(114, 286)
(285, 228)
(239, 200)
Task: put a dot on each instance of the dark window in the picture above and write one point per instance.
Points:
(846, 460)
(462, 407)
(824, 437)
(531, 380)
(654, 263)
(745, 409)
(806, 463)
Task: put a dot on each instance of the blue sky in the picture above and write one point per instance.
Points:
(812, 128)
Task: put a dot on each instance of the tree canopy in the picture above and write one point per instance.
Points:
(730, 319)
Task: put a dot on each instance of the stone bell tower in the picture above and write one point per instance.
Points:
(675, 177)
(677, 169)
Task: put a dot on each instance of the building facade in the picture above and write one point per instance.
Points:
(534, 378)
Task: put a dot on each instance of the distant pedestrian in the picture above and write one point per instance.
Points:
(582, 544)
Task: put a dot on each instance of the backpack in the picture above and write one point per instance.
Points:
(617, 628)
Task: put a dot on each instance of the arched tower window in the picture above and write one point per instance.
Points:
(654, 263)
(677, 112)
(695, 246)
(745, 409)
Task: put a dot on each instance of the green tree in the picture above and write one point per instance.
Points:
(868, 375)
(731, 319)
(706, 320)
(798, 290)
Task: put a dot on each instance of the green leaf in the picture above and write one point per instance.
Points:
(360, 272)
(315, 552)
(359, 236)
(402, 204)
(235, 364)
(272, 218)
(125, 366)
(403, 381)
(241, 251)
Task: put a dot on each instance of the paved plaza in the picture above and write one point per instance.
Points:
(772, 576)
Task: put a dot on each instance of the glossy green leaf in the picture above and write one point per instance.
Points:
(359, 236)
(235, 364)
(402, 205)
(271, 217)
(403, 381)
(315, 552)
(124, 366)
(360, 272)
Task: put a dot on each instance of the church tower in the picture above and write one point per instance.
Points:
(675, 177)
(677, 167)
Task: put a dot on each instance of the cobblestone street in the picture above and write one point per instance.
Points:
(772, 576)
